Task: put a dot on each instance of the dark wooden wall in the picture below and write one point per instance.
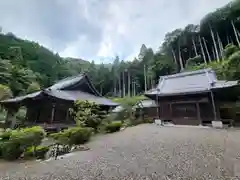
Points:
(40, 111)
(187, 110)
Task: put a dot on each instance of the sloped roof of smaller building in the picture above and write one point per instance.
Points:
(59, 90)
(189, 82)
(21, 98)
(146, 103)
(118, 109)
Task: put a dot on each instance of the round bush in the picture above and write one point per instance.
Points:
(5, 135)
(40, 152)
(28, 137)
(113, 127)
(79, 135)
(11, 150)
(73, 136)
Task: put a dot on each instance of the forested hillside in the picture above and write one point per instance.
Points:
(26, 66)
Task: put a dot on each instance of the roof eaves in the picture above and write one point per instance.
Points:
(191, 73)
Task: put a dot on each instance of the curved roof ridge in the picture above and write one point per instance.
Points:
(182, 74)
(69, 77)
(67, 82)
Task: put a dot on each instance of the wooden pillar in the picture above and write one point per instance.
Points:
(53, 113)
(218, 115)
(7, 120)
(214, 106)
(199, 112)
(67, 116)
(171, 114)
(158, 106)
(10, 118)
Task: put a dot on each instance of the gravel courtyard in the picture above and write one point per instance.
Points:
(145, 152)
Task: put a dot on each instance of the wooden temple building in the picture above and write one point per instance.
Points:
(50, 107)
(194, 98)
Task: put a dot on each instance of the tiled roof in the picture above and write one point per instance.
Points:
(60, 85)
(58, 91)
(79, 95)
(20, 98)
(189, 82)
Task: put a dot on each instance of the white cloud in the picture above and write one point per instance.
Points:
(94, 29)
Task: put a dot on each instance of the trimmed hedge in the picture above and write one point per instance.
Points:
(73, 136)
(15, 142)
(39, 153)
(113, 127)
(11, 150)
(28, 137)
(5, 135)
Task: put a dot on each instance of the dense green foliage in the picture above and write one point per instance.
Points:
(228, 68)
(113, 126)
(15, 142)
(39, 152)
(73, 136)
(207, 40)
(87, 114)
(5, 92)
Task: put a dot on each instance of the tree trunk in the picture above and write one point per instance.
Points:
(215, 45)
(195, 48)
(129, 84)
(174, 56)
(205, 45)
(145, 78)
(119, 85)
(115, 86)
(180, 58)
(228, 40)
(214, 55)
(220, 45)
(133, 88)
(235, 32)
(204, 57)
(124, 84)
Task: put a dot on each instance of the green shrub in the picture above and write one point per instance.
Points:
(61, 138)
(79, 135)
(11, 150)
(5, 135)
(33, 87)
(113, 127)
(20, 117)
(229, 50)
(5, 92)
(28, 137)
(127, 123)
(194, 61)
(73, 136)
(15, 142)
(87, 114)
(39, 152)
(135, 122)
(148, 120)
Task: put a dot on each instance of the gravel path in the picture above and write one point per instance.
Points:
(146, 152)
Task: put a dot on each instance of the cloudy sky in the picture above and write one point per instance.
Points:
(100, 29)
